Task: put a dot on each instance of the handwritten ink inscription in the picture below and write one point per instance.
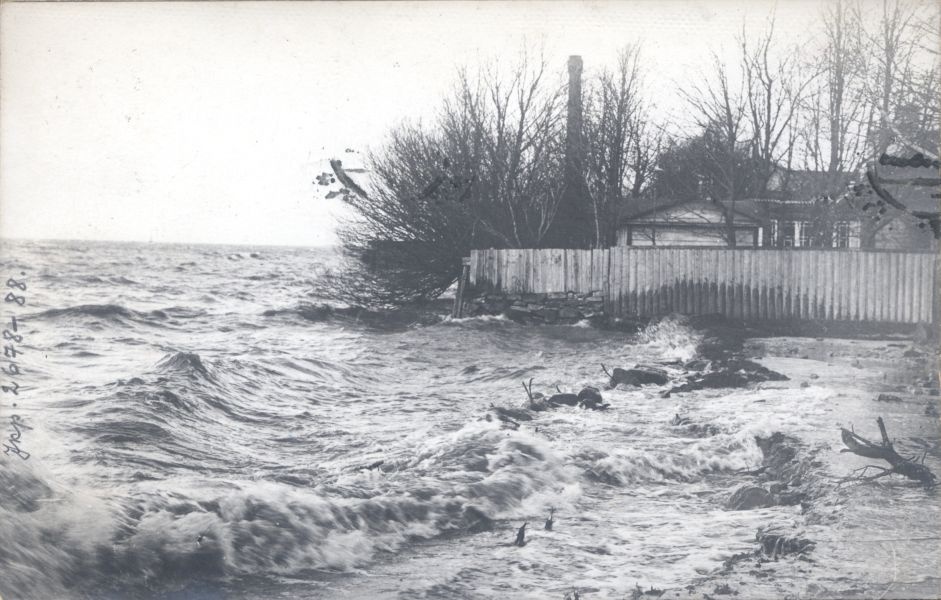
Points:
(12, 445)
(12, 340)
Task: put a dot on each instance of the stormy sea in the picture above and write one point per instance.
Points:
(200, 425)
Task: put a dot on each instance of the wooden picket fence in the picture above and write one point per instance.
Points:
(751, 284)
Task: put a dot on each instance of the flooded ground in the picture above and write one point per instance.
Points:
(201, 428)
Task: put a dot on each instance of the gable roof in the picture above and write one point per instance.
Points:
(806, 186)
(648, 211)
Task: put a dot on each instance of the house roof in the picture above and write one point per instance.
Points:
(806, 186)
(652, 210)
(792, 194)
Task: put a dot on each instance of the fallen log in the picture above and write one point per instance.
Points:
(907, 467)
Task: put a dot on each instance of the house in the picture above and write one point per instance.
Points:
(798, 209)
(657, 222)
(901, 193)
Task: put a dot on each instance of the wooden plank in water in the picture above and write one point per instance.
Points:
(927, 286)
(540, 271)
(859, 305)
(617, 265)
(747, 307)
(754, 295)
(655, 260)
(584, 270)
(870, 286)
(878, 287)
(730, 283)
(528, 270)
(657, 290)
(472, 277)
(908, 285)
(826, 288)
(914, 288)
(760, 284)
(846, 279)
(673, 277)
(707, 291)
(800, 284)
(896, 286)
(521, 269)
(766, 300)
(628, 302)
(870, 282)
(836, 284)
(611, 279)
(643, 282)
(918, 306)
(509, 271)
(631, 273)
(884, 283)
(569, 270)
(781, 287)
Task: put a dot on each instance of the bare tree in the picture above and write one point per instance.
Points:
(832, 118)
(485, 173)
(775, 85)
(510, 127)
(620, 144)
(718, 108)
(899, 60)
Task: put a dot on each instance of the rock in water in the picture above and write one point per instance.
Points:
(750, 497)
(638, 376)
(566, 399)
(589, 395)
(591, 398)
(888, 398)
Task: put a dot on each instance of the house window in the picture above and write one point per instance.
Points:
(786, 232)
(846, 234)
(804, 234)
(841, 235)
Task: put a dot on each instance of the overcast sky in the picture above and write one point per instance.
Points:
(208, 122)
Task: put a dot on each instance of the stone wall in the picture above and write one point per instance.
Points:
(550, 308)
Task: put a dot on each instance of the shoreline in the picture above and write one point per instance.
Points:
(909, 375)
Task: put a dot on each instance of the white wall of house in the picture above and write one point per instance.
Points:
(796, 234)
(664, 235)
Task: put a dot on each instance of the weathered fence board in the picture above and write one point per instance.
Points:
(752, 284)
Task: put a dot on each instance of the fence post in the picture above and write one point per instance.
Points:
(457, 311)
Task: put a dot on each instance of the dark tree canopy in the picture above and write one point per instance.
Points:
(484, 173)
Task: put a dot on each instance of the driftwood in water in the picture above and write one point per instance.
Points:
(908, 467)
(521, 535)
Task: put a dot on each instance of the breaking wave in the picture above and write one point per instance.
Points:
(457, 482)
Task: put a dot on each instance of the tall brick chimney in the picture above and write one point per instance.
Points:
(573, 126)
(572, 226)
